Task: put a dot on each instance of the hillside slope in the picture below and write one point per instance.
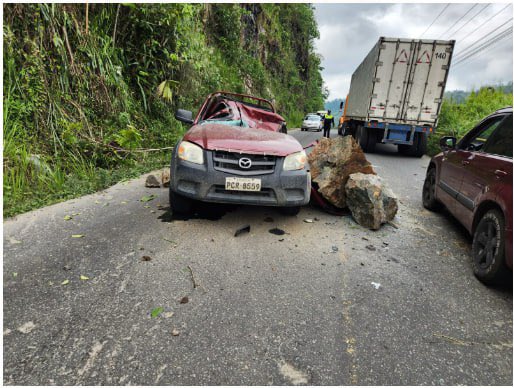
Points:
(82, 81)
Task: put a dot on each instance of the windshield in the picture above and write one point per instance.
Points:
(229, 122)
(313, 118)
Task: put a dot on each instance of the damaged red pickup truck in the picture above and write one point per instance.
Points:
(238, 151)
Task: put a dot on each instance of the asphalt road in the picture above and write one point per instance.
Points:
(325, 303)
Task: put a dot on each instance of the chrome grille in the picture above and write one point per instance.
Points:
(229, 162)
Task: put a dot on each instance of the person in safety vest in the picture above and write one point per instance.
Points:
(327, 124)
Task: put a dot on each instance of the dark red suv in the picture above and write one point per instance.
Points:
(473, 180)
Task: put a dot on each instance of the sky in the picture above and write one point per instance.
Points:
(349, 31)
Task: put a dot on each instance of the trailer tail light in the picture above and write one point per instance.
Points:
(373, 108)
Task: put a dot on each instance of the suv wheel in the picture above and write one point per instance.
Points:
(429, 200)
(488, 249)
(180, 204)
(290, 211)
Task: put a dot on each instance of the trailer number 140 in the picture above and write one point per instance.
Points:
(440, 55)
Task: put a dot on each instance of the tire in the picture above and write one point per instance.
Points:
(283, 129)
(180, 204)
(362, 137)
(429, 200)
(418, 147)
(488, 249)
(290, 211)
(372, 140)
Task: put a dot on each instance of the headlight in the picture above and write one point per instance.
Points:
(190, 152)
(295, 161)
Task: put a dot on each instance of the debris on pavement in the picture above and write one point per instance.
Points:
(152, 181)
(242, 229)
(192, 277)
(168, 314)
(65, 282)
(77, 235)
(165, 178)
(370, 200)
(156, 312)
(308, 220)
(147, 198)
(371, 247)
(184, 300)
(376, 285)
(175, 332)
(334, 249)
(27, 327)
(83, 277)
(332, 161)
(268, 219)
(67, 218)
(146, 258)
(277, 231)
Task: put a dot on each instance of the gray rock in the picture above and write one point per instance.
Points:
(332, 161)
(165, 178)
(152, 181)
(370, 200)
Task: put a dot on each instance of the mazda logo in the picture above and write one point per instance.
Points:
(245, 163)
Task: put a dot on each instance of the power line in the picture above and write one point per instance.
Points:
(481, 25)
(463, 51)
(437, 17)
(454, 24)
(463, 62)
(474, 16)
(485, 45)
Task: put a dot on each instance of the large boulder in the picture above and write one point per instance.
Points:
(370, 200)
(332, 161)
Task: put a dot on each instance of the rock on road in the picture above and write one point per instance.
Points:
(326, 303)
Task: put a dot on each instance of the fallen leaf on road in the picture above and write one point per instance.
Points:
(50, 283)
(147, 198)
(12, 240)
(277, 231)
(82, 277)
(146, 258)
(77, 235)
(156, 311)
(123, 202)
(184, 300)
(14, 274)
(27, 327)
(97, 202)
(146, 207)
(175, 332)
(65, 282)
(169, 314)
(67, 218)
(75, 214)
(241, 230)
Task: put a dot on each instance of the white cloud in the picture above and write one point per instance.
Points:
(349, 31)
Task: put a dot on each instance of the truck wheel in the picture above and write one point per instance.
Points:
(372, 140)
(418, 147)
(362, 137)
(429, 200)
(290, 211)
(422, 144)
(180, 204)
(488, 249)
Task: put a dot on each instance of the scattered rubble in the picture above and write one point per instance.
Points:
(277, 231)
(370, 200)
(152, 181)
(241, 230)
(332, 161)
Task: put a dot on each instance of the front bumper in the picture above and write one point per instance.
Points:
(205, 183)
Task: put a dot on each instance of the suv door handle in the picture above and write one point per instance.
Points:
(500, 173)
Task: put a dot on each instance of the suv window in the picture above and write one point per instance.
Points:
(500, 142)
(476, 142)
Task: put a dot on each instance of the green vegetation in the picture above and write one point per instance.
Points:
(88, 88)
(456, 119)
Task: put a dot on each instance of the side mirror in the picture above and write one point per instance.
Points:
(184, 115)
(448, 143)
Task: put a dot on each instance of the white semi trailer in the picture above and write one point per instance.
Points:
(396, 94)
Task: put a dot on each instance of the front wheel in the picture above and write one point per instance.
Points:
(290, 211)
(429, 199)
(180, 204)
(488, 249)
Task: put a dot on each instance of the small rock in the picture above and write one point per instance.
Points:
(146, 258)
(334, 248)
(165, 178)
(168, 314)
(366, 239)
(27, 327)
(362, 264)
(371, 247)
(152, 181)
(308, 220)
(184, 300)
(376, 285)
(280, 239)
(66, 267)
(175, 332)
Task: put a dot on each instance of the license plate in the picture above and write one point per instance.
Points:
(242, 184)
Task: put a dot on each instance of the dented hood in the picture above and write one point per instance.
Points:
(249, 140)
